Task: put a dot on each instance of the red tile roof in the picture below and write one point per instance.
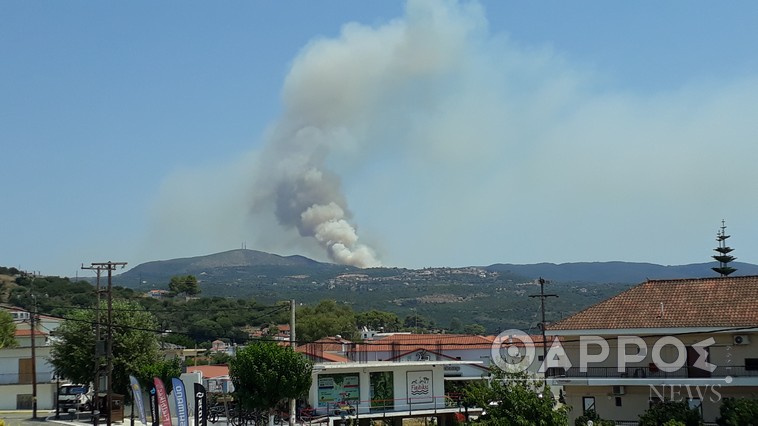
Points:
(694, 302)
(27, 332)
(325, 356)
(407, 342)
(325, 344)
(210, 371)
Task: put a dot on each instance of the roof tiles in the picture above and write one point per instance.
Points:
(679, 303)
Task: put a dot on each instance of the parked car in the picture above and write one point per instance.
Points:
(78, 397)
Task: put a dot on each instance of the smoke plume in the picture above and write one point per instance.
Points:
(332, 93)
(451, 144)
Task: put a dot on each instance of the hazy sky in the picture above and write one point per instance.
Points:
(413, 134)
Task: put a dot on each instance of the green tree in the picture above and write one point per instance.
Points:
(456, 325)
(378, 320)
(738, 412)
(328, 318)
(417, 323)
(7, 330)
(474, 329)
(596, 420)
(662, 412)
(205, 329)
(163, 369)
(186, 284)
(264, 374)
(135, 343)
(514, 399)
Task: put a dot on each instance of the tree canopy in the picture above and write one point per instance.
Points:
(665, 411)
(135, 343)
(186, 284)
(738, 412)
(515, 399)
(328, 318)
(7, 330)
(264, 374)
(378, 320)
(164, 369)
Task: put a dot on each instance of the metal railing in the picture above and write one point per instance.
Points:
(406, 405)
(651, 371)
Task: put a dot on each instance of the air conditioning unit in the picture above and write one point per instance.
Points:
(741, 339)
(618, 390)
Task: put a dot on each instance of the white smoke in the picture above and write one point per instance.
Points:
(454, 145)
(336, 92)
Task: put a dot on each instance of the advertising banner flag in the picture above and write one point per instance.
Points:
(180, 398)
(137, 393)
(160, 393)
(153, 404)
(201, 405)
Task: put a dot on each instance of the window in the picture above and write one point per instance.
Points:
(696, 404)
(618, 401)
(751, 364)
(588, 403)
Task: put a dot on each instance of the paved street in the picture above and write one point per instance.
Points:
(23, 417)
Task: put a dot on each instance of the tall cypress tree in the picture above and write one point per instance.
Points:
(723, 256)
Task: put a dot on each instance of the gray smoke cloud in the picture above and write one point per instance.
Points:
(453, 145)
(334, 95)
(307, 196)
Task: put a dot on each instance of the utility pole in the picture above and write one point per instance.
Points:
(110, 267)
(33, 325)
(293, 401)
(99, 349)
(542, 324)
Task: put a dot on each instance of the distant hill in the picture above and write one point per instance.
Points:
(256, 267)
(616, 272)
(496, 297)
(231, 266)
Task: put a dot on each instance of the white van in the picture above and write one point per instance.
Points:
(78, 397)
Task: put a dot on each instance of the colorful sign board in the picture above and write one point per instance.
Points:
(420, 389)
(337, 388)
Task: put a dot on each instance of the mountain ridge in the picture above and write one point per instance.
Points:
(238, 263)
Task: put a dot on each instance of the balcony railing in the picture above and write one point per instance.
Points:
(408, 405)
(651, 371)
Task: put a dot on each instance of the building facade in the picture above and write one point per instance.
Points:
(693, 340)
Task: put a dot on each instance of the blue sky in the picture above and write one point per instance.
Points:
(439, 133)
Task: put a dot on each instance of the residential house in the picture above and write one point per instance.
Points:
(327, 349)
(404, 347)
(16, 379)
(215, 378)
(693, 340)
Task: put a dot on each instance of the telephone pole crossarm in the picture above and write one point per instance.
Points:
(99, 267)
(543, 324)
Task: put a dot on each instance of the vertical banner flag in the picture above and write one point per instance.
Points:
(153, 405)
(160, 393)
(180, 398)
(137, 393)
(201, 405)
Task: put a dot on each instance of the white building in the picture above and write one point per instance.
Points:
(16, 379)
(693, 340)
(383, 390)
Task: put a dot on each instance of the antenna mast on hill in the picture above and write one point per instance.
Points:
(723, 256)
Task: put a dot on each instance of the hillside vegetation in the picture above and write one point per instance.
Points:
(244, 289)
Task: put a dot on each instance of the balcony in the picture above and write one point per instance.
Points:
(653, 372)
